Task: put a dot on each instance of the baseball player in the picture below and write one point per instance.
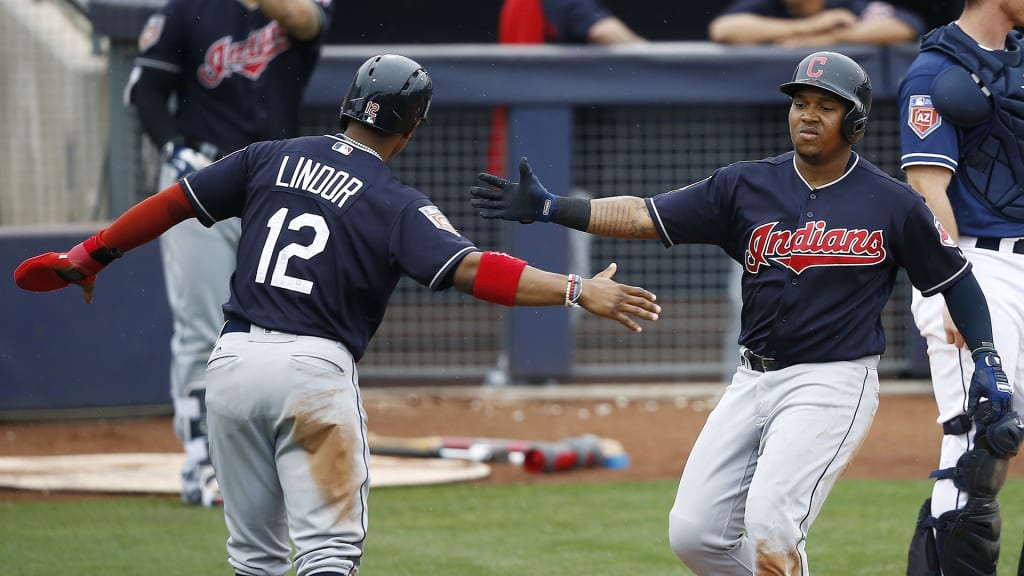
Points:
(237, 70)
(962, 133)
(327, 232)
(821, 234)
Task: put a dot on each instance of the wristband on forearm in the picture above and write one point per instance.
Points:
(573, 291)
(91, 256)
(572, 213)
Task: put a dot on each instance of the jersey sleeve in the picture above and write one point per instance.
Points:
(928, 252)
(426, 246)
(217, 192)
(694, 214)
(925, 138)
(161, 43)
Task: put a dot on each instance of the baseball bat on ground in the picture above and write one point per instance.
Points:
(496, 450)
(568, 453)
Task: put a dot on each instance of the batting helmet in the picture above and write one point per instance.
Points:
(390, 93)
(840, 75)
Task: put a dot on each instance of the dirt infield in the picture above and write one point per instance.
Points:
(657, 432)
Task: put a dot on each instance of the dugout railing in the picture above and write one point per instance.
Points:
(593, 120)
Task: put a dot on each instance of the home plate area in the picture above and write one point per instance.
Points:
(159, 473)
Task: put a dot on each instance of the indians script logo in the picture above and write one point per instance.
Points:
(250, 57)
(813, 245)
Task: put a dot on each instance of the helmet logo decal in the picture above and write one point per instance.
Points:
(371, 112)
(249, 58)
(813, 245)
(815, 66)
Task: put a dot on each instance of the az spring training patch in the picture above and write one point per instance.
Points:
(922, 117)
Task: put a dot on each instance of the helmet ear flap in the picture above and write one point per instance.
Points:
(854, 125)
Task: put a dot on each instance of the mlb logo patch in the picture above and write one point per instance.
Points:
(922, 117)
(151, 32)
(342, 147)
(438, 219)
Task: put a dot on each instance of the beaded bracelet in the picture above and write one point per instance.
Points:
(573, 291)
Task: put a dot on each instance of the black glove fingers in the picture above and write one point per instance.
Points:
(492, 179)
(488, 193)
(488, 204)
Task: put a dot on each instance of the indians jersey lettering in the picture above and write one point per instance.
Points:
(248, 57)
(813, 245)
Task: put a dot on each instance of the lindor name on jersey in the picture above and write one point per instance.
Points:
(813, 245)
(323, 180)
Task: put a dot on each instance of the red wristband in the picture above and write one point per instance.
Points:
(497, 278)
(83, 259)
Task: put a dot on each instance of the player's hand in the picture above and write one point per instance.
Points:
(182, 160)
(990, 395)
(604, 297)
(525, 201)
(53, 270)
(953, 335)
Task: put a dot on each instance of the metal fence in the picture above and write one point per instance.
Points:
(616, 150)
(641, 124)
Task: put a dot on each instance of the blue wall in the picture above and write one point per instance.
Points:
(56, 352)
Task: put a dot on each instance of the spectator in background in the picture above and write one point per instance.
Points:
(211, 77)
(796, 23)
(562, 21)
(551, 21)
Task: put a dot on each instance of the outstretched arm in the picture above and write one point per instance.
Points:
(140, 224)
(528, 201)
(502, 279)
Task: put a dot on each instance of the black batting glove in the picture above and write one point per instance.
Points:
(524, 201)
(991, 384)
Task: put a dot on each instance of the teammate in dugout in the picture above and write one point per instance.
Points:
(962, 112)
(236, 70)
(327, 232)
(821, 234)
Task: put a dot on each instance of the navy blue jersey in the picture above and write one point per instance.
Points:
(819, 264)
(569, 21)
(241, 77)
(327, 231)
(864, 9)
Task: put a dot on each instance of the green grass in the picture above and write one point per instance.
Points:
(470, 530)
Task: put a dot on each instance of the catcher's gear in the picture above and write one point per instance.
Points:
(1004, 437)
(990, 383)
(966, 540)
(390, 93)
(183, 160)
(961, 97)
(53, 271)
(842, 76)
(525, 201)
